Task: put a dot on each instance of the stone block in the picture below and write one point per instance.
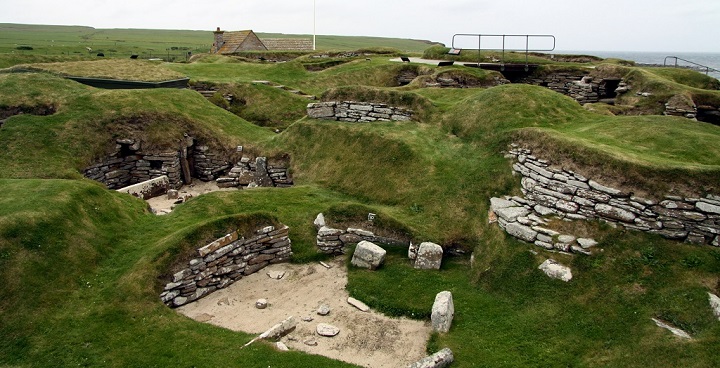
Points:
(368, 255)
(521, 232)
(319, 221)
(429, 256)
(443, 312)
(614, 213)
(510, 214)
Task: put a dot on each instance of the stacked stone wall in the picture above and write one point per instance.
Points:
(580, 86)
(569, 195)
(335, 241)
(219, 264)
(129, 165)
(357, 112)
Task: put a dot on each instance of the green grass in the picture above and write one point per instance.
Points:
(81, 266)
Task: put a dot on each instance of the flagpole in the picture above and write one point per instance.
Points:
(314, 22)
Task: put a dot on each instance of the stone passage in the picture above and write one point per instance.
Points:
(357, 112)
(224, 261)
(569, 195)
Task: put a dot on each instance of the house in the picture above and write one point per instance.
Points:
(238, 41)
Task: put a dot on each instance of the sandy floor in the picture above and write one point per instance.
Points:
(162, 206)
(367, 339)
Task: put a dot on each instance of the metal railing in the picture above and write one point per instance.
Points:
(695, 65)
(527, 48)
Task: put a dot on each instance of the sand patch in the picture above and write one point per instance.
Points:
(368, 339)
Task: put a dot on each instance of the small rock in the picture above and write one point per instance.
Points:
(261, 304)
(325, 265)
(358, 304)
(308, 319)
(566, 239)
(324, 329)
(172, 194)
(556, 271)
(319, 221)
(323, 310)
(412, 251)
(715, 305)
(276, 275)
(310, 342)
(282, 347)
(429, 256)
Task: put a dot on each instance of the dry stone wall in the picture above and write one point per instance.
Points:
(335, 241)
(219, 264)
(357, 112)
(580, 86)
(550, 191)
(128, 165)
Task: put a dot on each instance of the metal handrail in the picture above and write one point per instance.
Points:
(700, 66)
(526, 49)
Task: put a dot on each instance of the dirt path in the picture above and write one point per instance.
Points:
(367, 339)
(161, 205)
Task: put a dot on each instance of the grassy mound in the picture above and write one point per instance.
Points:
(133, 70)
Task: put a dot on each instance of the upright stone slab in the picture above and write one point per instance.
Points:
(262, 178)
(368, 255)
(443, 312)
(429, 256)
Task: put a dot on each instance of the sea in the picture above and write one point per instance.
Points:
(706, 59)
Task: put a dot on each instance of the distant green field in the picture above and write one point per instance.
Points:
(153, 43)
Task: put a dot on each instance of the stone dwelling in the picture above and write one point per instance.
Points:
(232, 42)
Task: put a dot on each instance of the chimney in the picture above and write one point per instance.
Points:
(218, 40)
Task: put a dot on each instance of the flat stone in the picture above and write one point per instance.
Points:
(615, 213)
(368, 255)
(441, 359)
(360, 232)
(587, 242)
(566, 239)
(443, 312)
(556, 270)
(310, 342)
(510, 214)
(307, 319)
(326, 231)
(707, 207)
(601, 188)
(323, 310)
(521, 232)
(261, 304)
(499, 203)
(675, 331)
(358, 304)
(324, 329)
(281, 346)
(429, 256)
(543, 211)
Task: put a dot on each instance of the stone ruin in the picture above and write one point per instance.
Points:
(129, 164)
(220, 263)
(569, 195)
(357, 112)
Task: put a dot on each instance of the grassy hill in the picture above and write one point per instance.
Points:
(81, 265)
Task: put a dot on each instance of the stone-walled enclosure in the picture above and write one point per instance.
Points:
(335, 241)
(357, 112)
(129, 164)
(580, 86)
(224, 261)
(562, 193)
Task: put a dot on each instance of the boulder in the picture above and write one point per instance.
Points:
(556, 271)
(441, 359)
(429, 256)
(324, 329)
(443, 311)
(368, 255)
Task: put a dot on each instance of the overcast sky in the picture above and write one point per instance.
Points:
(578, 25)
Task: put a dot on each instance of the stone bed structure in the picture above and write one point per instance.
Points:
(569, 195)
(357, 112)
(224, 261)
(129, 164)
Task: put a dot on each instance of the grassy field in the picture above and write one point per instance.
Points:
(81, 266)
(153, 43)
